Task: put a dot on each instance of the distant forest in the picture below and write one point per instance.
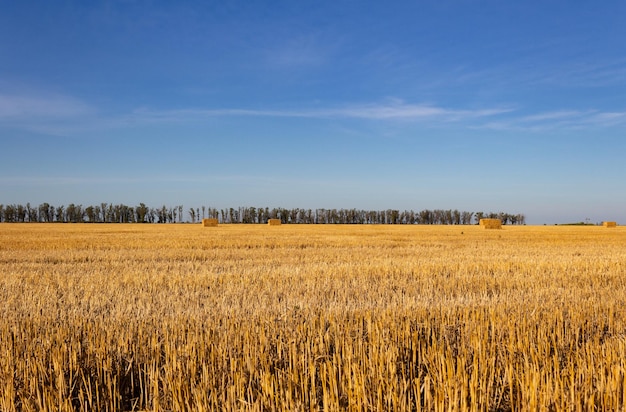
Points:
(111, 213)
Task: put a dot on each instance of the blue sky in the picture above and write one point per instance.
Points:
(472, 105)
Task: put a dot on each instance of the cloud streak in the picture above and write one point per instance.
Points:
(63, 115)
(559, 120)
(39, 111)
(48, 114)
(394, 111)
(21, 107)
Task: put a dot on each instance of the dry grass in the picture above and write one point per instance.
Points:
(491, 223)
(210, 222)
(358, 318)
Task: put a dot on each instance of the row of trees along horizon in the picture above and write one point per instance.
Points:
(120, 213)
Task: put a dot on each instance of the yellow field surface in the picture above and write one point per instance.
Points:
(311, 317)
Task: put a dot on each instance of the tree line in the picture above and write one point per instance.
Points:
(120, 213)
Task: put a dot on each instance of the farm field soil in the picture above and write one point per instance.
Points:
(311, 317)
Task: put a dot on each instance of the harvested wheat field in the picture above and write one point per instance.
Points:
(321, 318)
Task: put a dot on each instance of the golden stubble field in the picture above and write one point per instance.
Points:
(303, 317)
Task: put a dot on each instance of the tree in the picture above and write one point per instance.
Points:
(110, 214)
(21, 213)
(124, 214)
(478, 216)
(162, 214)
(31, 213)
(252, 215)
(74, 213)
(466, 218)
(141, 211)
(90, 211)
(103, 209)
(456, 217)
(504, 217)
(60, 214)
(9, 213)
(152, 213)
(45, 214)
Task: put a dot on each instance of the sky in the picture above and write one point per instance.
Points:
(493, 106)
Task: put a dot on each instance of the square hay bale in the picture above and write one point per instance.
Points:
(209, 222)
(273, 222)
(491, 223)
(609, 224)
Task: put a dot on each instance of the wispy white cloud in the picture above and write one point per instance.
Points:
(414, 111)
(608, 118)
(21, 107)
(557, 115)
(579, 119)
(64, 115)
(51, 114)
(498, 117)
(57, 115)
(558, 120)
(582, 73)
(538, 71)
(395, 110)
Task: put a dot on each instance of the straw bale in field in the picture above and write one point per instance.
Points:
(491, 223)
(609, 224)
(273, 222)
(209, 222)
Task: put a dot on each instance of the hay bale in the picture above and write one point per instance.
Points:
(209, 222)
(273, 222)
(491, 223)
(609, 224)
